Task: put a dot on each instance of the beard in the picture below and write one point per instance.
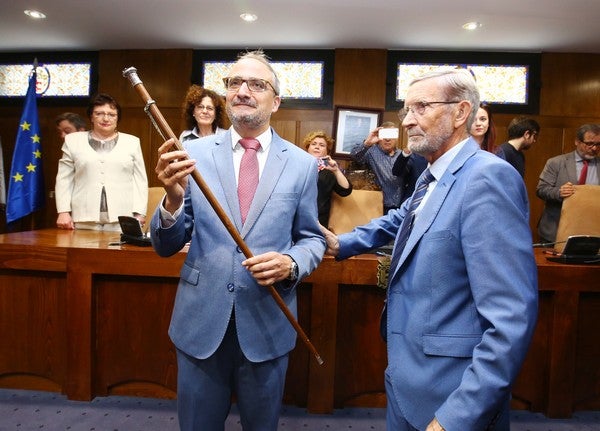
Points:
(431, 142)
(427, 144)
(255, 120)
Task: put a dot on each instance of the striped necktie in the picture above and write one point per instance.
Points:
(409, 219)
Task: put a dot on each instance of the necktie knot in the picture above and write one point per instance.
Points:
(407, 224)
(425, 179)
(250, 144)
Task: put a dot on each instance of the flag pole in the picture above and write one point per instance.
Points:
(26, 191)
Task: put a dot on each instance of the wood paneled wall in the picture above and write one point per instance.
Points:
(570, 96)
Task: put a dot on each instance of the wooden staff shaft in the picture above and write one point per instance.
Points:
(167, 132)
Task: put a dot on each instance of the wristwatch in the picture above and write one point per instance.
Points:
(293, 271)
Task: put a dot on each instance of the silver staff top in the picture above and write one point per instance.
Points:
(131, 74)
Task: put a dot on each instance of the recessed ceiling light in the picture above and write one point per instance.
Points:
(473, 25)
(36, 14)
(248, 17)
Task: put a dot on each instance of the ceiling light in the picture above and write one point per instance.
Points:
(473, 25)
(34, 14)
(248, 17)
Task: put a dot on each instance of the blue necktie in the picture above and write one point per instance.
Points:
(409, 219)
(418, 195)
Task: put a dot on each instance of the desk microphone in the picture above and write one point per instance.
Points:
(548, 244)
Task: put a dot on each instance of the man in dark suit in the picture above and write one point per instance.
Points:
(408, 167)
(231, 336)
(562, 174)
(462, 288)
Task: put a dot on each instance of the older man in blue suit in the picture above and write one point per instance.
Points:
(231, 336)
(462, 294)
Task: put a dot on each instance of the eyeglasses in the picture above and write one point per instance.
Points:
(255, 85)
(591, 144)
(419, 108)
(208, 108)
(110, 115)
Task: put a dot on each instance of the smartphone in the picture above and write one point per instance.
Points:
(389, 133)
(323, 161)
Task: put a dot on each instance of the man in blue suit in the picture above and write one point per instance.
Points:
(231, 336)
(462, 293)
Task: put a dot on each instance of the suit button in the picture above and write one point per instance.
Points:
(238, 249)
(231, 287)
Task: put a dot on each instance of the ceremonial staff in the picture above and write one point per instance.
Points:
(165, 132)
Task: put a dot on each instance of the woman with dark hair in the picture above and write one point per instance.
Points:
(101, 174)
(331, 178)
(483, 129)
(204, 113)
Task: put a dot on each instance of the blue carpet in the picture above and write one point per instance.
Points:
(22, 410)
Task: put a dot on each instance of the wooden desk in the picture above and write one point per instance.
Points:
(561, 373)
(87, 319)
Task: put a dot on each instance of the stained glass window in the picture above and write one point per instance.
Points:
(298, 79)
(508, 81)
(305, 75)
(53, 79)
(497, 83)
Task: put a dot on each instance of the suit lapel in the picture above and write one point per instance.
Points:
(223, 156)
(571, 166)
(434, 202)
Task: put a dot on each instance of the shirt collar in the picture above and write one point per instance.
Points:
(387, 153)
(579, 159)
(438, 167)
(264, 138)
(194, 133)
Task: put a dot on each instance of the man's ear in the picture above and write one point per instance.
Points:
(276, 104)
(462, 113)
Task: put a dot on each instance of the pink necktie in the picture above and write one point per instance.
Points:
(583, 174)
(248, 177)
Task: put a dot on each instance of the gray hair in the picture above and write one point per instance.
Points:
(259, 55)
(592, 127)
(458, 84)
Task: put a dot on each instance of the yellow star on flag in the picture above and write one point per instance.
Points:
(18, 177)
(35, 138)
(31, 167)
(25, 125)
(37, 154)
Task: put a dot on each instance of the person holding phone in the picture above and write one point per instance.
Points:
(331, 178)
(379, 152)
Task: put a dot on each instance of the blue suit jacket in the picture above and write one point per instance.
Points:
(282, 218)
(462, 302)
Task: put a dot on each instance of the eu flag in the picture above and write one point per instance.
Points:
(26, 185)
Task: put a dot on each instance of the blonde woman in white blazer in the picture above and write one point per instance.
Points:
(101, 174)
